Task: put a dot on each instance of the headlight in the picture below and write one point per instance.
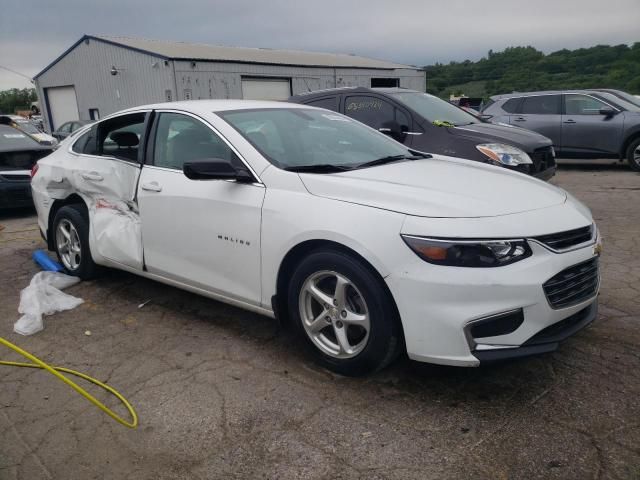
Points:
(504, 154)
(468, 253)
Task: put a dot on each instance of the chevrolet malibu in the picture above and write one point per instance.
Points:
(366, 247)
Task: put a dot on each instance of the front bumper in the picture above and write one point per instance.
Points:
(544, 164)
(546, 174)
(547, 340)
(437, 305)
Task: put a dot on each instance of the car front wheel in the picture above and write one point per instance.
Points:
(344, 313)
(633, 155)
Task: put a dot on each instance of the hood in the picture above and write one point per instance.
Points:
(437, 187)
(493, 133)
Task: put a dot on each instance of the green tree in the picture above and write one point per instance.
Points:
(525, 68)
(17, 99)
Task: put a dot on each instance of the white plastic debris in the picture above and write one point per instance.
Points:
(43, 296)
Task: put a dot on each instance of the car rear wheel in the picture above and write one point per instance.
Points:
(633, 155)
(71, 241)
(343, 313)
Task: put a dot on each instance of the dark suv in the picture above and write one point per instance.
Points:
(428, 124)
(596, 123)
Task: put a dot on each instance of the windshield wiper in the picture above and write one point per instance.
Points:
(418, 155)
(393, 158)
(320, 168)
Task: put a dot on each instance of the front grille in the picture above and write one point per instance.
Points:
(542, 159)
(573, 285)
(560, 330)
(567, 239)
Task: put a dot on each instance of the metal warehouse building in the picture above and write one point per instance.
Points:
(99, 75)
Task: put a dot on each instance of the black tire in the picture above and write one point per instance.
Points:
(78, 217)
(634, 161)
(384, 336)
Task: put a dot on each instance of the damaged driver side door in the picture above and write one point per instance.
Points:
(105, 172)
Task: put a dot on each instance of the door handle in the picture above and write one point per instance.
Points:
(519, 119)
(151, 187)
(569, 121)
(92, 176)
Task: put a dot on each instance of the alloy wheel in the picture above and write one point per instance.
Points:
(334, 314)
(68, 243)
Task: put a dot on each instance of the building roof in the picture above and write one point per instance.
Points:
(203, 52)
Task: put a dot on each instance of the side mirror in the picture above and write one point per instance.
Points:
(214, 169)
(607, 111)
(485, 117)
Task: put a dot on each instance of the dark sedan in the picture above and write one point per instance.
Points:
(66, 129)
(18, 155)
(428, 124)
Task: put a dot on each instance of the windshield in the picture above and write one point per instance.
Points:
(291, 138)
(434, 109)
(616, 99)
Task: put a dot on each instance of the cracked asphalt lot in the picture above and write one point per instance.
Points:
(222, 393)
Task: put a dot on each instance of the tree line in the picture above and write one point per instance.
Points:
(526, 69)
(17, 99)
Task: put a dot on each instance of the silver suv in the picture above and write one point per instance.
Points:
(580, 123)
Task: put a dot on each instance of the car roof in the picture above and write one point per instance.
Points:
(208, 106)
(545, 92)
(330, 91)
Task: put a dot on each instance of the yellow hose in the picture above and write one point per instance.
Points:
(37, 363)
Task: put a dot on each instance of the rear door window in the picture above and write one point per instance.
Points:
(372, 111)
(511, 105)
(542, 105)
(121, 137)
(330, 103)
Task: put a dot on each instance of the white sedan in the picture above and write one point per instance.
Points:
(368, 248)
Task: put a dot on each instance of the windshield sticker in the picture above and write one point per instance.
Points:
(336, 118)
(368, 105)
(13, 135)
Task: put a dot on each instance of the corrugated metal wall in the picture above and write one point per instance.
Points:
(144, 78)
(198, 80)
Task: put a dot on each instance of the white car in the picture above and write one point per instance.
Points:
(366, 247)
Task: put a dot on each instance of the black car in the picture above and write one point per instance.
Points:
(428, 124)
(18, 154)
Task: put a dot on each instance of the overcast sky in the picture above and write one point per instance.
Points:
(417, 32)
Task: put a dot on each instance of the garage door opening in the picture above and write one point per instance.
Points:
(385, 82)
(62, 105)
(259, 88)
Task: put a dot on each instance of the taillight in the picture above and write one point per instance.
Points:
(34, 170)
